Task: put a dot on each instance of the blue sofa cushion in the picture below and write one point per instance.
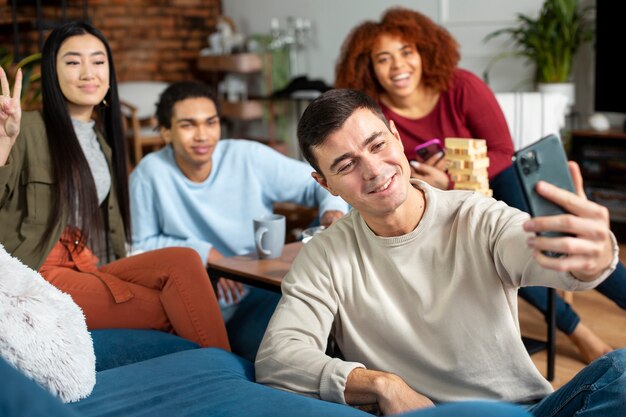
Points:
(199, 382)
(118, 395)
(119, 347)
(20, 396)
(471, 409)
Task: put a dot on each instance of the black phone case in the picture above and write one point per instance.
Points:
(423, 154)
(543, 160)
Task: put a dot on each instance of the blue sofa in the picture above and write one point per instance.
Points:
(199, 382)
(151, 373)
(190, 381)
(196, 382)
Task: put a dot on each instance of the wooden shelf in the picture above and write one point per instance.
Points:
(602, 159)
(242, 110)
(611, 134)
(241, 63)
(241, 115)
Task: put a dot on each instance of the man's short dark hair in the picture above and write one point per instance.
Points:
(327, 114)
(180, 91)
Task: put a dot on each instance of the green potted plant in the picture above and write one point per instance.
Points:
(550, 41)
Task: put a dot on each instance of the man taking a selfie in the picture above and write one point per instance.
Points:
(418, 286)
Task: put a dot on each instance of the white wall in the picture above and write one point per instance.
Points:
(468, 21)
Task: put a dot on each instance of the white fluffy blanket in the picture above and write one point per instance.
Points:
(43, 332)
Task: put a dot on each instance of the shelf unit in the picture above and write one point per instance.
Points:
(250, 110)
(245, 63)
(602, 159)
(240, 64)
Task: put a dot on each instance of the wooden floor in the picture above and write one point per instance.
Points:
(596, 311)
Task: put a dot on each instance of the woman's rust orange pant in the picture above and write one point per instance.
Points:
(165, 289)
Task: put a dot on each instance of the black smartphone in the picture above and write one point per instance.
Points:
(427, 149)
(543, 160)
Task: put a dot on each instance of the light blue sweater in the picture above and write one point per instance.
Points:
(246, 179)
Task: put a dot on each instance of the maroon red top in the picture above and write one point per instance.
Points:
(467, 110)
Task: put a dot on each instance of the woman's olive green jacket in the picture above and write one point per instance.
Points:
(27, 197)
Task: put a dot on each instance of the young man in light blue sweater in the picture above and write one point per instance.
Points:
(202, 192)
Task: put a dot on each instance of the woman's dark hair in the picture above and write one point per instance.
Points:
(75, 191)
(438, 49)
(178, 92)
(327, 114)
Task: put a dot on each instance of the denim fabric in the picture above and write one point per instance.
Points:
(506, 188)
(597, 391)
(247, 325)
(614, 287)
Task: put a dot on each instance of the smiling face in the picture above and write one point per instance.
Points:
(364, 163)
(82, 69)
(194, 133)
(397, 65)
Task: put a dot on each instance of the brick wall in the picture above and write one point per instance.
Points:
(150, 39)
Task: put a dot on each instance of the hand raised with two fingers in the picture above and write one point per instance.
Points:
(10, 114)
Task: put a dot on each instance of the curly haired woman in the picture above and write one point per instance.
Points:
(409, 64)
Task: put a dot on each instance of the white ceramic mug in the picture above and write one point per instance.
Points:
(269, 235)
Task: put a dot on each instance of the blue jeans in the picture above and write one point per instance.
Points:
(599, 390)
(247, 325)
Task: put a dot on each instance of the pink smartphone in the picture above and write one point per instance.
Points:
(427, 149)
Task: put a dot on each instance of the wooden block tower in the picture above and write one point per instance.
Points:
(467, 164)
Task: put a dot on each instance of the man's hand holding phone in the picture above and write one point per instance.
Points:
(589, 248)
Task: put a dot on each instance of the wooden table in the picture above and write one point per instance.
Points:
(249, 269)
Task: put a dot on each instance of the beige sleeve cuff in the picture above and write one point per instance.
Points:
(334, 378)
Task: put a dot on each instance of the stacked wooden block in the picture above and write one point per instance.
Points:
(467, 164)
